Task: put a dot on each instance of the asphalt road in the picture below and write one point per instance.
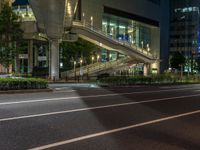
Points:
(92, 118)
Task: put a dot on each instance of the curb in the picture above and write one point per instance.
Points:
(26, 91)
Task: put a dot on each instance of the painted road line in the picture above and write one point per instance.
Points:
(95, 108)
(90, 96)
(90, 136)
(64, 91)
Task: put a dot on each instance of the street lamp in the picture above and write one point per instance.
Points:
(83, 18)
(92, 22)
(98, 61)
(147, 45)
(75, 70)
(110, 56)
(98, 58)
(142, 43)
(81, 73)
(92, 59)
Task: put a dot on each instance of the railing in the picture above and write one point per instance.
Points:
(122, 43)
(93, 68)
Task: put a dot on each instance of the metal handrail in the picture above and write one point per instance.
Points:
(94, 67)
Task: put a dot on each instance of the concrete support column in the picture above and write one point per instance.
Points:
(54, 49)
(30, 56)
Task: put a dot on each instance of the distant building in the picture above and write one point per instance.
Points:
(185, 31)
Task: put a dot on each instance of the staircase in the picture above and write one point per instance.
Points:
(96, 68)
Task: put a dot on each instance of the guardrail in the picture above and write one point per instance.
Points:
(93, 68)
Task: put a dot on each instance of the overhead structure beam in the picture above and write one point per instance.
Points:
(50, 16)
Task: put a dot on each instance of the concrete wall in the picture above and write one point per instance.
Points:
(142, 8)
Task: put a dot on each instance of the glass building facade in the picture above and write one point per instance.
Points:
(127, 30)
(184, 31)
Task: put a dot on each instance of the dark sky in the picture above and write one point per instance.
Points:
(20, 2)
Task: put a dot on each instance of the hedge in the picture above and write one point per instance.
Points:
(22, 83)
(149, 80)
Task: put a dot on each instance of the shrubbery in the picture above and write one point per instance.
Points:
(149, 80)
(22, 83)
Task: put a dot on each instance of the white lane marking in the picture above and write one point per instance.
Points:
(90, 96)
(114, 130)
(64, 91)
(94, 108)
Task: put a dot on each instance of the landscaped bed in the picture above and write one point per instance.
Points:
(149, 80)
(22, 83)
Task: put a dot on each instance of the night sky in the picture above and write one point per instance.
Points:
(20, 2)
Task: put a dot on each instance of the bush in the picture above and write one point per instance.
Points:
(149, 80)
(22, 83)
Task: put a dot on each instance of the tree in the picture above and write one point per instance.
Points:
(10, 35)
(73, 51)
(177, 59)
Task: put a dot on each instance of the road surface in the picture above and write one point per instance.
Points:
(87, 118)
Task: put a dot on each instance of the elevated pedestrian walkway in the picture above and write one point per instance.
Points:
(96, 36)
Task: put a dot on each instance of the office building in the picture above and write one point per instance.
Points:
(184, 31)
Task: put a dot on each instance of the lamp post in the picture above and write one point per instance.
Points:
(81, 72)
(75, 70)
(92, 59)
(98, 57)
(91, 21)
(142, 43)
(110, 56)
(148, 49)
(147, 45)
(83, 18)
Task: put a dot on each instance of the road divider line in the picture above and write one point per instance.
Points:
(90, 136)
(64, 91)
(90, 96)
(94, 108)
